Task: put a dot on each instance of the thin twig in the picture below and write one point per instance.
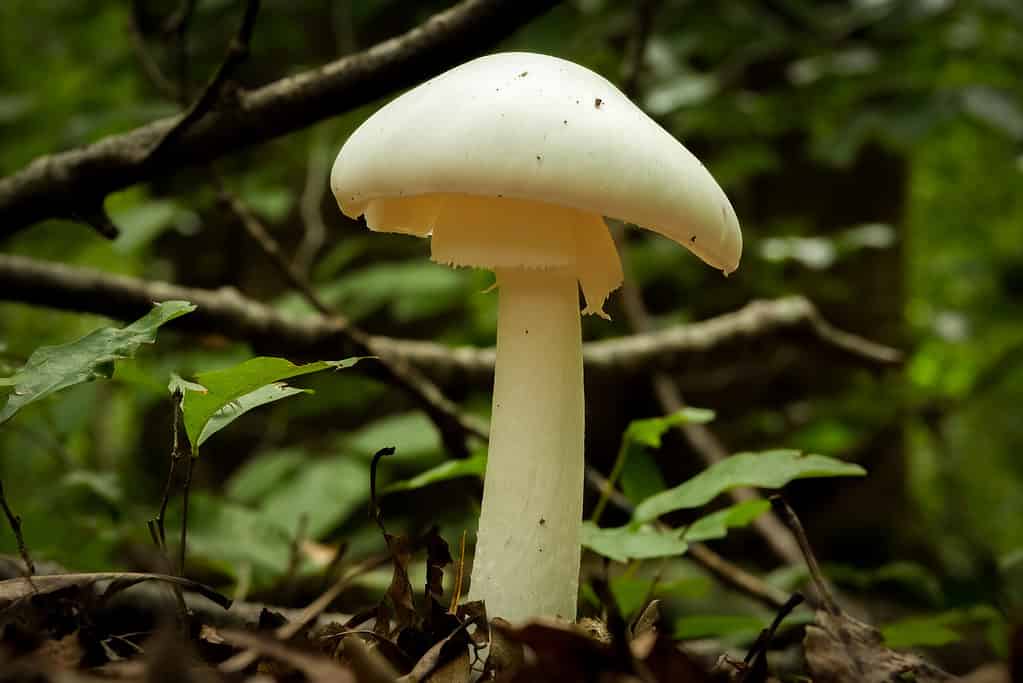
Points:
(609, 484)
(15, 522)
(785, 511)
(186, 489)
(237, 52)
(177, 25)
(374, 506)
(149, 66)
(295, 553)
(244, 659)
(179, 450)
(157, 525)
(642, 24)
(258, 232)
(311, 206)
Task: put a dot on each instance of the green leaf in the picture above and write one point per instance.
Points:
(937, 629)
(324, 491)
(632, 543)
(413, 434)
(717, 626)
(235, 535)
(104, 485)
(243, 404)
(641, 477)
(52, 368)
(259, 476)
(630, 593)
(408, 291)
(918, 632)
(769, 470)
(222, 387)
(649, 431)
(475, 465)
(717, 524)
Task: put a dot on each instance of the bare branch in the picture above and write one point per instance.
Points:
(54, 185)
(791, 320)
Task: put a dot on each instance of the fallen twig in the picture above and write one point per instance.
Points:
(243, 660)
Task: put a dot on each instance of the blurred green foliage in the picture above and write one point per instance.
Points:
(873, 151)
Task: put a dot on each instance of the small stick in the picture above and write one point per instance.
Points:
(15, 521)
(295, 554)
(237, 52)
(156, 526)
(374, 508)
(184, 515)
(456, 594)
(788, 515)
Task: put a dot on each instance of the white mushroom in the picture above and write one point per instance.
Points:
(510, 162)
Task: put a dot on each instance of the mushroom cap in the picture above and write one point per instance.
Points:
(538, 129)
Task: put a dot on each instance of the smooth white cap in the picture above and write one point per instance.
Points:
(534, 128)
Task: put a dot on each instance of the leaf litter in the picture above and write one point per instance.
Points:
(61, 628)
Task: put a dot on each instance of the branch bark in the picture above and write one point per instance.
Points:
(58, 185)
(790, 320)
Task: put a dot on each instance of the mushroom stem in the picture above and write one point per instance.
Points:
(527, 548)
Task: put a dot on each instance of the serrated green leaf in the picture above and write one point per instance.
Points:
(230, 384)
(649, 431)
(632, 543)
(243, 404)
(475, 465)
(52, 368)
(768, 469)
(717, 524)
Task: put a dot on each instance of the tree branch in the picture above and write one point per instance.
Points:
(791, 320)
(54, 185)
